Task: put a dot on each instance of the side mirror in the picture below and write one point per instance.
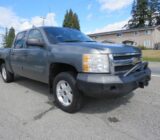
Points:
(35, 42)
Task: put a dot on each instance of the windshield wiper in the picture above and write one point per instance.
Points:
(72, 41)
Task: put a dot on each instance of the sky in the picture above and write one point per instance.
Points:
(94, 15)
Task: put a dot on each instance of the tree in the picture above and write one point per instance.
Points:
(133, 22)
(71, 20)
(76, 21)
(66, 21)
(154, 6)
(140, 14)
(9, 37)
(145, 13)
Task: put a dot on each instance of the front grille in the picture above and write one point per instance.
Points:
(126, 57)
(123, 62)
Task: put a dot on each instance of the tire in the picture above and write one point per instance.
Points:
(6, 75)
(67, 96)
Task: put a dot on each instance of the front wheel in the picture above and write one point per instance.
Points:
(6, 75)
(66, 94)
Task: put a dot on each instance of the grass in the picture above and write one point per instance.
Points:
(151, 55)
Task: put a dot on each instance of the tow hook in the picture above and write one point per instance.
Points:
(141, 84)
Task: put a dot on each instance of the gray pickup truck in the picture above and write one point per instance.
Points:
(73, 65)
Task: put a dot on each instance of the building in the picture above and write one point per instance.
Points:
(148, 37)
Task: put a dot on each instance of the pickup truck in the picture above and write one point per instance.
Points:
(73, 65)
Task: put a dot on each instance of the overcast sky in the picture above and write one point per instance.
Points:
(94, 15)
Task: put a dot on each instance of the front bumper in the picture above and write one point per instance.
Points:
(98, 85)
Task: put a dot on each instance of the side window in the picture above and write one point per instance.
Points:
(19, 42)
(35, 34)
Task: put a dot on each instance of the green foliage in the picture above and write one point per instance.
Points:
(151, 59)
(8, 38)
(142, 47)
(71, 20)
(154, 8)
(144, 13)
(140, 14)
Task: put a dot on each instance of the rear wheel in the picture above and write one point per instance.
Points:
(66, 94)
(6, 75)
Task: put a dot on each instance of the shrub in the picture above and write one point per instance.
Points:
(142, 47)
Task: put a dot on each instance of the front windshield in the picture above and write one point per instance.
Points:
(65, 35)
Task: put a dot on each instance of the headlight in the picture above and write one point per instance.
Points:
(96, 63)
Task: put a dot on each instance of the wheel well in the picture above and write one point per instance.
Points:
(57, 68)
(1, 62)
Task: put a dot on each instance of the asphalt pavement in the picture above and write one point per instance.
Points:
(155, 68)
(27, 112)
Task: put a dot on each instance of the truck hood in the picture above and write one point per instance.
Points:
(105, 48)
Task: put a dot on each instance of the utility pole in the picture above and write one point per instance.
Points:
(43, 20)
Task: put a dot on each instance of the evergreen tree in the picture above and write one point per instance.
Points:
(153, 5)
(71, 20)
(158, 10)
(66, 21)
(145, 13)
(9, 37)
(140, 14)
(155, 11)
(134, 7)
(133, 22)
(76, 21)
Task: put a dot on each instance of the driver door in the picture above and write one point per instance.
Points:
(37, 62)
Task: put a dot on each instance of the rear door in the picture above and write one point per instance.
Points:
(18, 54)
(36, 66)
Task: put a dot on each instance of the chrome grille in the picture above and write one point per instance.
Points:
(126, 57)
(121, 63)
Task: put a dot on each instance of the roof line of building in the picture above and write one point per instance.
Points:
(125, 31)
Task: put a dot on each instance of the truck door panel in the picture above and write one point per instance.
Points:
(36, 60)
(18, 54)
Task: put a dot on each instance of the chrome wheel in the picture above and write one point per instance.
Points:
(64, 93)
(4, 73)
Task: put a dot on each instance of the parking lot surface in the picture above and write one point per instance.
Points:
(27, 112)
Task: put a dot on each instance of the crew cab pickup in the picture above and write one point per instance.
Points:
(73, 65)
